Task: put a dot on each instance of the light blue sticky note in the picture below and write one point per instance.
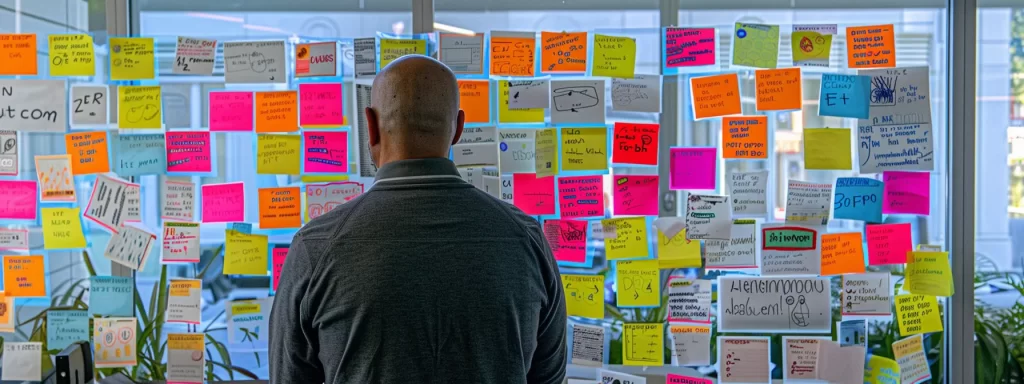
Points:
(844, 95)
(245, 228)
(66, 327)
(853, 332)
(111, 296)
(858, 198)
(141, 155)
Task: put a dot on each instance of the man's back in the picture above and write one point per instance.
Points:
(423, 279)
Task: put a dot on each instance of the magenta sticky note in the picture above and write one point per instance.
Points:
(692, 168)
(906, 192)
(568, 240)
(325, 152)
(635, 195)
(188, 152)
(689, 47)
(680, 379)
(534, 195)
(231, 111)
(320, 105)
(18, 199)
(278, 255)
(581, 196)
(888, 243)
(223, 203)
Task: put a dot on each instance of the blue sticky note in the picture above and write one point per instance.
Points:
(844, 95)
(858, 198)
(141, 155)
(111, 296)
(66, 327)
(245, 228)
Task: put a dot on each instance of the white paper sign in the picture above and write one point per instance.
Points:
(518, 149)
(867, 294)
(475, 154)
(691, 345)
(365, 57)
(898, 134)
(523, 94)
(181, 242)
(89, 105)
(184, 300)
(588, 345)
(14, 239)
(909, 354)
(744, 359)
(739, 252)
(774, 304)
(611, 377)
(708, 217)
(639, 94)
(108, 203)
(323, 198)
(22, 362)
(185, 360)
(8, 153)
(33, 105)
(689, 300)
(749, 193)
(133, 204)
(800, 355)
(808, 203)
(250, 62)
(194, 56)
(130, 247)
(472, 135)
(178, 201)
(463, 54)
(248, 321)
(790, 250)
(316, 59)
(577, 101)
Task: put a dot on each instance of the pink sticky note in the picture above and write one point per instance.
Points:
(231, 111)
(581, 196)
(568, 240)
(18, 199)
(689, 47)
(692, 168)
(278, 255)
(325, 152)
(320, 105)
(888, 243)
(906, 192)
(188, 152)
(635, 195)
(535, 196)
(223, 203)
(680, 379)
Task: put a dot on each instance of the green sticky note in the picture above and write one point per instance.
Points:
(790, 238)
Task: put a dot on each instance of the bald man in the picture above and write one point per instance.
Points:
(424, 278)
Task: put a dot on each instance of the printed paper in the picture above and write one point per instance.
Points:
(794, 304)
(463, 54)
(130, 247)
(108, 203)
(248, 322)
(745, 359)
(178, 200)
(808, 203)
(708, 217)
(739, 252)
(365, 57)
(115, 341)
(186, 362)
(691, 345)
(801, 361)
(789, 250)
(911, 359)
(22, 361)
(689, 300)
(184, 301)
(8, 153)
(588, 345)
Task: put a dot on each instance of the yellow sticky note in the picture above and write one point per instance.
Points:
(918, 314)
(62, 228)
(928, 273)
(678, 252)
(186, 342)
(72, 55)
(245, 254)
(132, 58)
(584, 295)
(139, 107)
(278, 154)
(643, 344)
(505, 115)
(630, 240)
(546, 157)
(391, 49)
(245, 307)
(638, 283)
(323, 178)
(614, 56)
(585, 149)
(880, 370)
(827, 148)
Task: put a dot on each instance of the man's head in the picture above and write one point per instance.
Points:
(414, 111)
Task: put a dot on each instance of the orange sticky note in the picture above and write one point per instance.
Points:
(475, 100)
(779, 89)
(18, 53)
(24, 276)
(280, 208)
(872, 46)
(842, 253)
(89, 153)
(714, 96)
(512, 54)
(745, 137)
(563, 52)
(277, 111)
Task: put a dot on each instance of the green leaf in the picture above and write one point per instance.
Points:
(225, 357)
(216, 255)
(88, 263)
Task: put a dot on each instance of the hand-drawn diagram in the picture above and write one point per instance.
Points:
(583, 293)
(574, 99)
(644, 342)
(143, 113)
(577, 101)
(637, 284)
(799, 313)
(883, 90)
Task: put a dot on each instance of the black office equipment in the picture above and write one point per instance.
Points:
(73, 365)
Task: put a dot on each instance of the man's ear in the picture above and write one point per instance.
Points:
(372, 128)
(460, 123)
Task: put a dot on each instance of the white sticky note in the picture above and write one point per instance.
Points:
(808, 203)
(472, 135)
(475, 154)
(186, 362)
(89, 105)
(642, 93)
(22, 362)
(577, 101)
(253, 62)
(708, 217)
(749, 193)
(588, 345)
(739, 252)
(523, 94)
(34, 105)
(130, 247)
(178, 200)
(689, 300)
(463, 54)
(691, 345)
(834, 363)
(194, 56)
(516, 150)
(867, 294)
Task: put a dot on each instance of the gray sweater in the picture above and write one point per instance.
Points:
(422, 279)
